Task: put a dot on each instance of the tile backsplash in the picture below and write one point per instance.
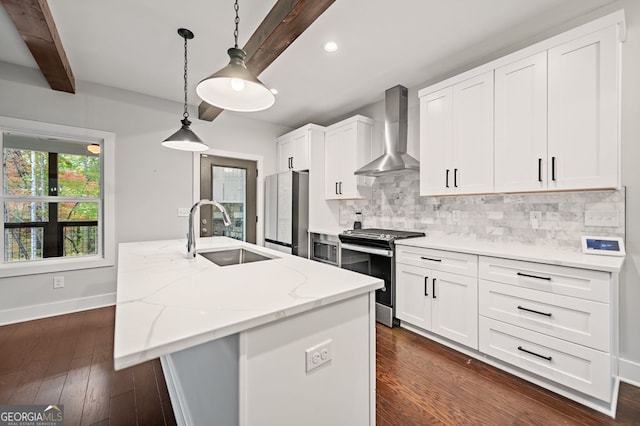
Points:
(395, 202)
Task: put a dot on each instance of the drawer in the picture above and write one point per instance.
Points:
(578, 320)
(575, 282)
(584, 369)
(438, 260)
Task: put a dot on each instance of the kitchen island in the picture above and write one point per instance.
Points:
(278, 341)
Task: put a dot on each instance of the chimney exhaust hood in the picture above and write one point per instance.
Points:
(395, 158)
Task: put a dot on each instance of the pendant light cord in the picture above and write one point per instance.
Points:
(186, 112)
(237, 21)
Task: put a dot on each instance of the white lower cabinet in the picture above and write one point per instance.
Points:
(553, 321)
(266, 375)
(577, 320)
(584, 369)
(550, 324)
(440, 302)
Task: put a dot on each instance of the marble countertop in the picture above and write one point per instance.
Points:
(519, 252)
(166, 302)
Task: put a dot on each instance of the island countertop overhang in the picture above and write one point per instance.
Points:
(167, 303)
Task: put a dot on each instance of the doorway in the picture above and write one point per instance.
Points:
(233, 183)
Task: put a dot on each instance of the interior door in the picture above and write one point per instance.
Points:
(233, 183)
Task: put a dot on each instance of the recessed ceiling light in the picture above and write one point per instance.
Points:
(330, 46)
(274, 91)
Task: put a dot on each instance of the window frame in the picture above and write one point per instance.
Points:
(106, 217)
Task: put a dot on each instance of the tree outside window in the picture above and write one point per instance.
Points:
(52, 198)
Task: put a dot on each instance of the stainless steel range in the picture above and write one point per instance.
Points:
(371, 251)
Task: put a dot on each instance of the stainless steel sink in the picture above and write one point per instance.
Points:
(235, 256)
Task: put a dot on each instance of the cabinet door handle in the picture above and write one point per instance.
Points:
(291, 162)
(520, 348)
(553, 168)
(426, 286)
(447, 178)
(533, 276)
(428, 258)
(455, 178)
(539, 169)
(546, 314)
(433, 288)
(336, 188)
(340, 188)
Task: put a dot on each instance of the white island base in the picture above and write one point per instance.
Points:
(259, 376)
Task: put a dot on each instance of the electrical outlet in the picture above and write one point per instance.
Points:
(58, 282)
(183, 212)
(535, 218)
(318, 355)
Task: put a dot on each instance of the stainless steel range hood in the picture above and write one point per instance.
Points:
(395, 158)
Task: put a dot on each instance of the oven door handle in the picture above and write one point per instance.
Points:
(370, 250)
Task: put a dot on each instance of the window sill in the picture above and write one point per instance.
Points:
(33, 267)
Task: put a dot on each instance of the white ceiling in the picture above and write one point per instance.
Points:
(133, 45)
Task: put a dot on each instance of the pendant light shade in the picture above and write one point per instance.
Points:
(184, 139)
(94, 148)
(234, 87)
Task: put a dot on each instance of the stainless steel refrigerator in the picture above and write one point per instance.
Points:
(287, 212)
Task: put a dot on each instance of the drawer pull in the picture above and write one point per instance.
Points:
(546, 314)
(534, 276)
(428, 258)
(426, 287)
(520, 348)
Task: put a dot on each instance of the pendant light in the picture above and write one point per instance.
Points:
(184, 139)
(234, 87)
(94, 148)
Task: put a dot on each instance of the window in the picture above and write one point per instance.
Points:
(56, 212)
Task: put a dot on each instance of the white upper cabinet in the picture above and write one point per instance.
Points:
(583, 112)
(456, 138)
(436, 138)
(285, 153)
(347, 148)
(544, 118)
(293, 149)
(521, 125)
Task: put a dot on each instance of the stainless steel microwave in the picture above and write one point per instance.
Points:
(325, 248)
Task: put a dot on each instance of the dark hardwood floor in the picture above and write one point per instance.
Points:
(421, 382)
(69, 360)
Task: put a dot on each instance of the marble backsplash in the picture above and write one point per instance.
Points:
(395, 203)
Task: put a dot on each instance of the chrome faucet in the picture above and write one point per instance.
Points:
(191, 238)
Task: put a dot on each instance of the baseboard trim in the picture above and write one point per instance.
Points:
(28, 313)
(629, 372)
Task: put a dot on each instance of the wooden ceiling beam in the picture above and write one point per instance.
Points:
(35, 24)
(282, 25)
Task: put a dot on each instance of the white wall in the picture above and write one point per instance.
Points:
(630, 283)
(151, 181)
